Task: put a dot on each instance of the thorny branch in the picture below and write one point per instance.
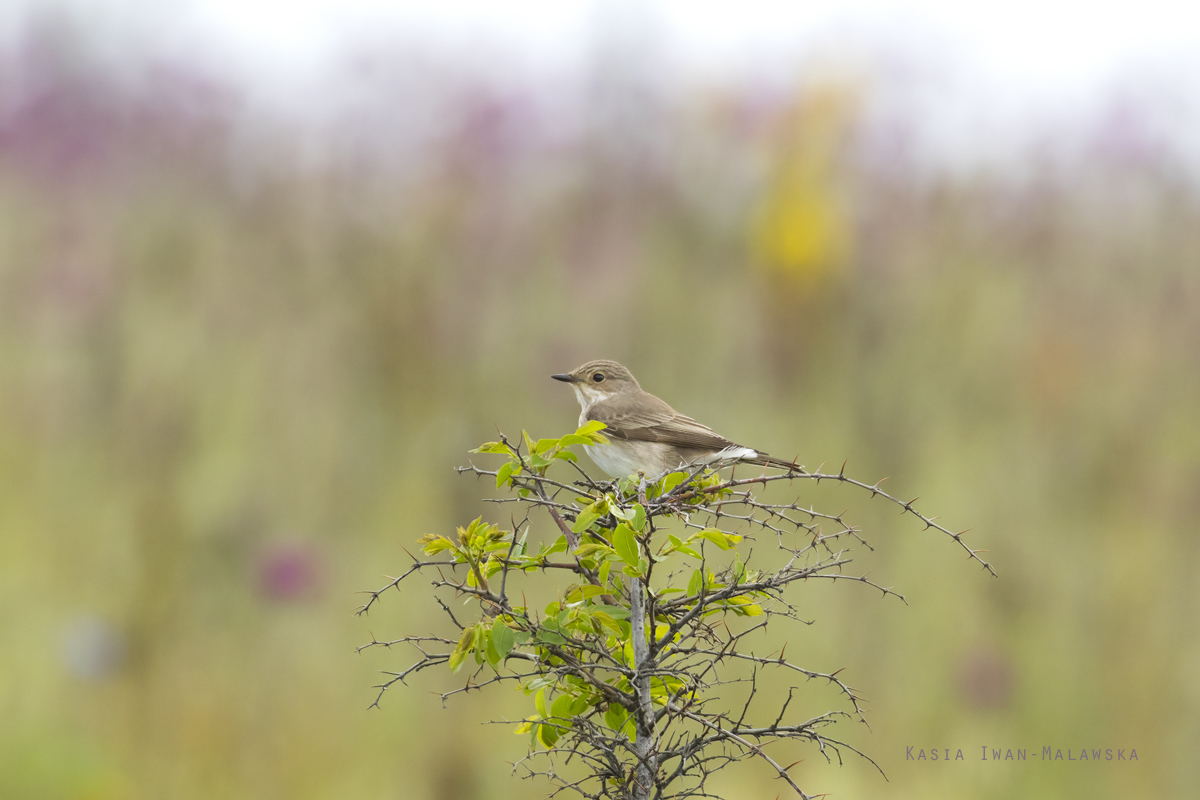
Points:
(650, 726)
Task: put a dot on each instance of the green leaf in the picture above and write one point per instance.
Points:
(539, 702)
(465, 535)
(581, 593)
(745, 607)
(504, 474)
(562, 707)
(583, 624)
(589, 515)
(573, 438)
(503, 638)
(492, 447)
(581, 704)
(550, 637)
(720, 538)
(479, 642)
(566, 455)
(592, 548)
(639, 517)
(696, 583)
(544, 444)
(625, 544)
(672, 480)
(607, 621)
(547, 734)
(590, 427)
(462, 650)
(617, 612)
(677, 545)
(436, 544)
(493, 655)
(539, 683)
(615, 716)
(604, 570)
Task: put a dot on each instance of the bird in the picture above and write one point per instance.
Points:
(645, 434)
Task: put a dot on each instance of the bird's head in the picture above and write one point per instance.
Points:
(599, 380)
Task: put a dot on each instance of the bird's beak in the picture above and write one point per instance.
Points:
(565, 378)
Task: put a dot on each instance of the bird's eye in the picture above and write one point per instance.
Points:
(597, 377)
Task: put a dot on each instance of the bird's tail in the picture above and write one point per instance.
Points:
(764, 460)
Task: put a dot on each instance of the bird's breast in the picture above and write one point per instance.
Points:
(620, 458)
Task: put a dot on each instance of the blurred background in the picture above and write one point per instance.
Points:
(268, 270)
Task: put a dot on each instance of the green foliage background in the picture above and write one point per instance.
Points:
(234, 381)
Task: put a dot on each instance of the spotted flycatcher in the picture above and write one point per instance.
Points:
(644, 432)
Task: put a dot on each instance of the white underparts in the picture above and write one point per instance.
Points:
(732, 453)
(625, 458)
(619, 457)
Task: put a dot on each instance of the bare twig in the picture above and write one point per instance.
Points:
(623, 714)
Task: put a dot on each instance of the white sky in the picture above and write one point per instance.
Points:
(1059, 44)
(989, 60)
(1024, 43)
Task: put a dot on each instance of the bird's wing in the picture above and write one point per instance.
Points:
(655, 421)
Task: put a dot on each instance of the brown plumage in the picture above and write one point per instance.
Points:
(644, 432)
